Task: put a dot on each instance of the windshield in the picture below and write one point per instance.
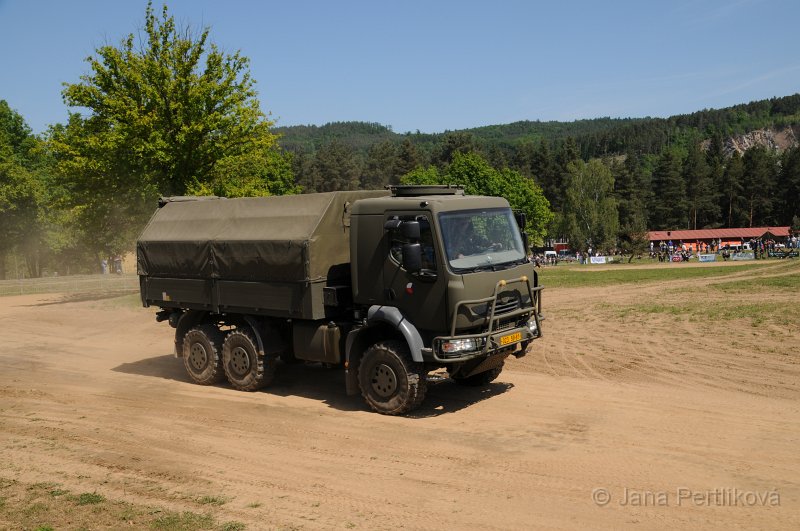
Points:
(481, 238)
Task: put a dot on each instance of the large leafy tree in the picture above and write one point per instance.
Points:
(20, 191)
(474, 173)
(168, 113)
(590, 208)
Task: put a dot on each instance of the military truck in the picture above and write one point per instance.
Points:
(389, 284)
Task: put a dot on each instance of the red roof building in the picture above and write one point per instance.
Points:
(719, 236)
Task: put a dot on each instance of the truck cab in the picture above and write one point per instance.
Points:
(451, 273)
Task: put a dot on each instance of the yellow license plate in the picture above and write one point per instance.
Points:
(511, 338)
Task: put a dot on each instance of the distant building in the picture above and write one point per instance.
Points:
(720, 237)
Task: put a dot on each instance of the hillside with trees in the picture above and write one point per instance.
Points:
(714, 168)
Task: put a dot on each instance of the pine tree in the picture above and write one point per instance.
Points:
(668, 209)
(789, 186)
(547, 173)
(703, 207)
(336, 168)
(759, 185)
(381, 166)
(731, 193)
(409, 158)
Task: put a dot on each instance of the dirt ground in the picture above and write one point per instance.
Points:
(616, 418)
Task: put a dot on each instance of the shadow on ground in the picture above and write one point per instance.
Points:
(316, 382)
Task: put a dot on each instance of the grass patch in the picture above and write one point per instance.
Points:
(185, 521)
(584, 276)
(782, 283)
(211, 500)
(757, 312)
(90, 498)
(46, 506)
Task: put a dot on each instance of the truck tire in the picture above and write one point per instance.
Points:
(202, 354)
(391, 382)
(480, 379)
(246, 368)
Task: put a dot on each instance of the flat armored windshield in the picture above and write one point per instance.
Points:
(481, 238)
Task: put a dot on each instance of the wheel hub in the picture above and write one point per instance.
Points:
(240, 361)
(198, 357)
(384, 380)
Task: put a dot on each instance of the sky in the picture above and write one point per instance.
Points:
(435, 65)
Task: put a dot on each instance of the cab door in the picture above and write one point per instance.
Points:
(420, 296)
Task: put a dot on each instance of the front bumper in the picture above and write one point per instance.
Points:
(491, 341)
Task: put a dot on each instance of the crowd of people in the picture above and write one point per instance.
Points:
(670, 251)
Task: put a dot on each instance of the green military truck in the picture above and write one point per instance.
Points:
(389, 284)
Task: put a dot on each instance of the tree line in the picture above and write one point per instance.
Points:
(169, 113)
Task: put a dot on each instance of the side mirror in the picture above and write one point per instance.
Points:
(526, 244)
(521, 219)
(410, 230)
(412, 257)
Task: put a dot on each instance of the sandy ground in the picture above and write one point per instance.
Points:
(611, 421)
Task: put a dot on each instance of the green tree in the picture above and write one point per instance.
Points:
(166, 115)
(408, 158)
(20, 192)
(789, 189)
(668, 209)
(547, 173)
(758, 181)
(336, 167)
(471, 171)
(381, 166)
(731, 192)
(700, 193)
(590, 208)
(630, 185)
(451, 144)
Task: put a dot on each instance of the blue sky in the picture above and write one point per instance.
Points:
(436, 65)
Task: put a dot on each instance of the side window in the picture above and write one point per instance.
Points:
(396, 242)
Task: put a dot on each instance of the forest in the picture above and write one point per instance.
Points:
(167, 113)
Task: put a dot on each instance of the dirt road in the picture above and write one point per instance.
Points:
(614, 419)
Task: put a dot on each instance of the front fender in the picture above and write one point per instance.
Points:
(379, 320)
(394, 317)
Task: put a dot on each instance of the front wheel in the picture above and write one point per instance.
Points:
(391, 382)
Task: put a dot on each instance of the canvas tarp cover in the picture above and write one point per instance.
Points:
(284, 239)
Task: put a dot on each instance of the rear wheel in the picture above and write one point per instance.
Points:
(480, 379)
(246, 367)
(391, 382)
(202, 354)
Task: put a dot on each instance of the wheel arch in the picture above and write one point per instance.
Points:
(187, 321)
(383, 322)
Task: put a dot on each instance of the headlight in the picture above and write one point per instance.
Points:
(459, 345)
(533, 328)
